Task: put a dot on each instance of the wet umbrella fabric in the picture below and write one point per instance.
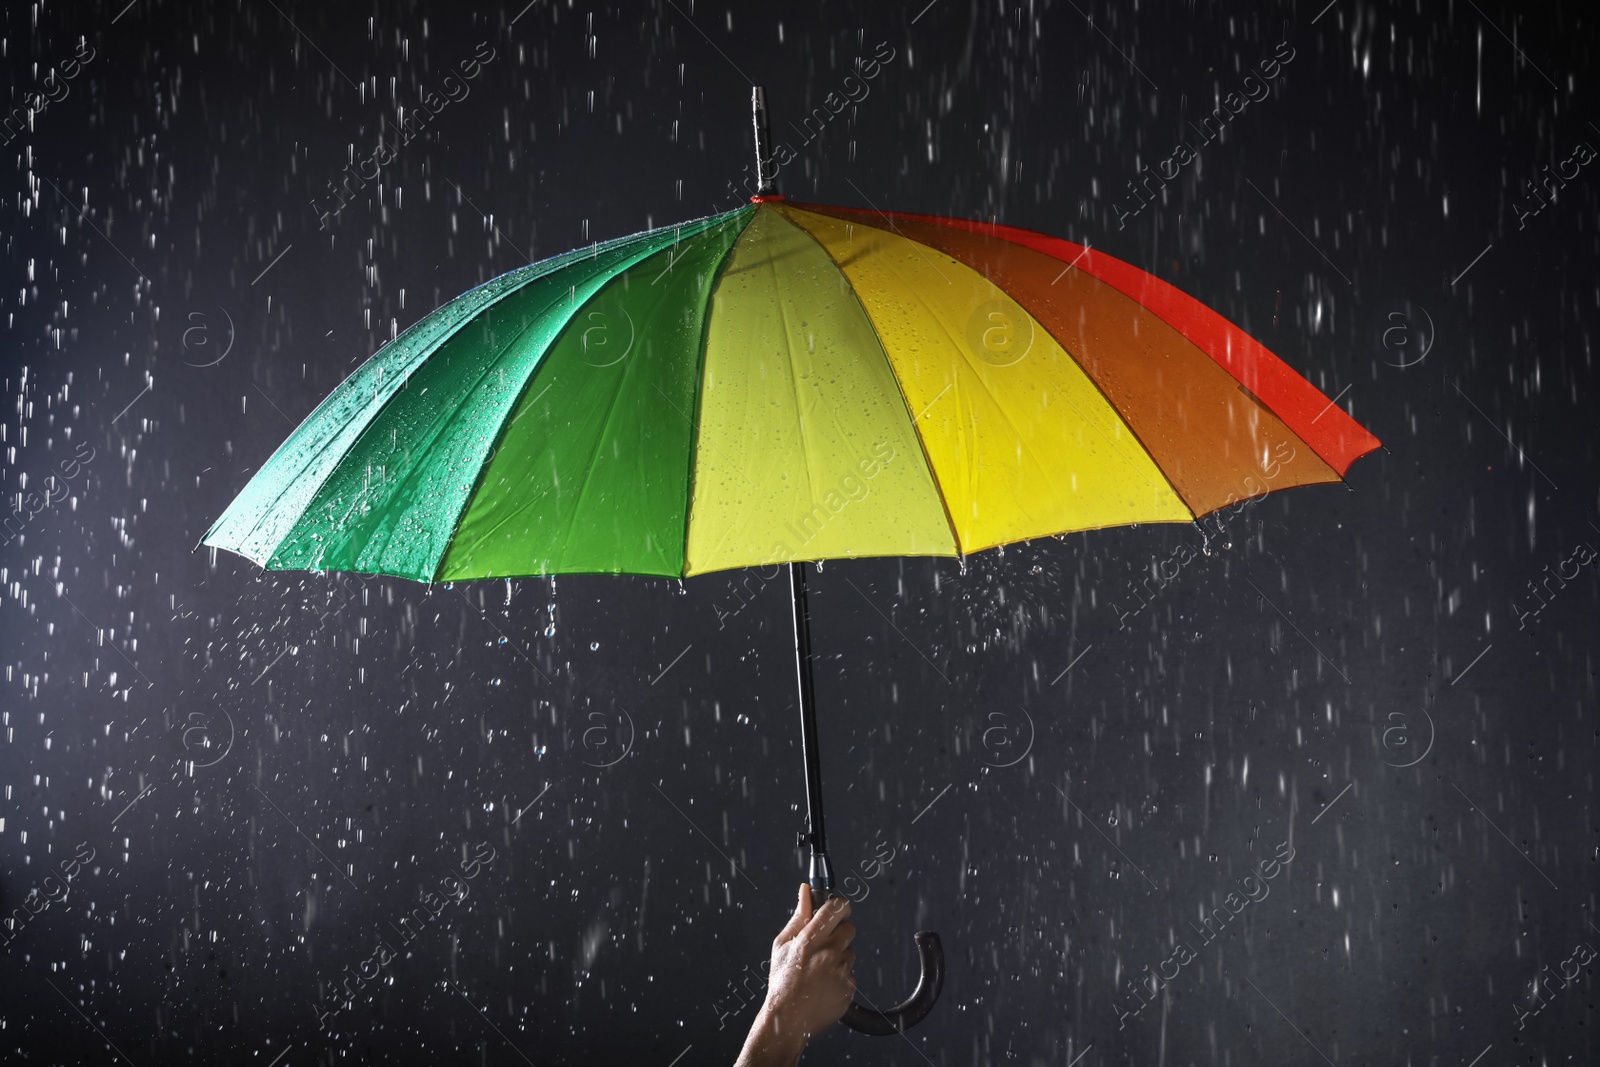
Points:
(784, 382)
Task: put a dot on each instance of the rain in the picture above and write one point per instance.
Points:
(428, 430)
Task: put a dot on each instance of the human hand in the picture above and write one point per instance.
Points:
(809, 984)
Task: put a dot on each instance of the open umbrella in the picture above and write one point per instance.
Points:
(777, 384)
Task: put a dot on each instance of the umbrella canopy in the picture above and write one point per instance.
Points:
(784, 382)
(781, 383)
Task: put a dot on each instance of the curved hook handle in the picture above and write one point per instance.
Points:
(915, 1008)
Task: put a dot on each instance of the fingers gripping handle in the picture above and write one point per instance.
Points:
(914, 1009)
(905, 1015)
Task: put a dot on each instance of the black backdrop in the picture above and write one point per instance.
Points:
(228, 793)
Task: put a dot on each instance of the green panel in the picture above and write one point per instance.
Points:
(274, 499)
(390, 504)
(591, 474)
(805, 449)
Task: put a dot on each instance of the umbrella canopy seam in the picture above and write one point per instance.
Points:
(933, 475)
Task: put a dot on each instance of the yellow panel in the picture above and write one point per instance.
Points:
(805, 449)
(1020, 440)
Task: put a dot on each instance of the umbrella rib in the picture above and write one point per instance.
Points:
(587, 476)
(927, 461)
(1194, 511)
(789, 325)
(1083, 418)
(766, 263)
(431, 437)
(1110, 404)
(402, 373)
(673, 258)
(451, 419)
(955, 344)
(964, 363)
(533, 374)
(1210, 332)
(698, 380)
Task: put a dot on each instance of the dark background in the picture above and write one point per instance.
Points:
(271, 767)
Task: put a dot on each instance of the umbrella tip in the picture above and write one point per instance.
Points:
(765, 175)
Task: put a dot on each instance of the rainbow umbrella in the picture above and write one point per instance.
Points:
(780, 383)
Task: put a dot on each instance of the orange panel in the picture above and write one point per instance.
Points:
(1212, 439)
(1331, 433)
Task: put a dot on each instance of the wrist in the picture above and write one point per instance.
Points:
(773, 1040)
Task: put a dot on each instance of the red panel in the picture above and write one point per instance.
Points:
(1322, 424)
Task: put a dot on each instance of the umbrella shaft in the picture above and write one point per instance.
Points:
(764, 168)
(821, 872)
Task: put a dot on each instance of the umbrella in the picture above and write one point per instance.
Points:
(783, 383)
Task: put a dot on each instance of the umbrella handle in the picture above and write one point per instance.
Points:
(913, 1009)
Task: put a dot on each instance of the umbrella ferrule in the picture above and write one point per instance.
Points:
(765, 169)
